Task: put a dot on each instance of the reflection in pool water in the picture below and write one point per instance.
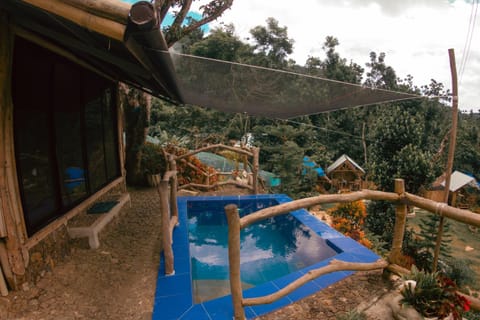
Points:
(270, 249)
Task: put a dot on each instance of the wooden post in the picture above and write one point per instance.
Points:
(451, 152)
(166, 237)
(400, 221)
(255, 169)
(10, 209)
(173, 187)
(233, 218)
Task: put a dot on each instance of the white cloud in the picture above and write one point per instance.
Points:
(414, 34)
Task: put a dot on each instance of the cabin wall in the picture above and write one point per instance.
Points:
(25, 258)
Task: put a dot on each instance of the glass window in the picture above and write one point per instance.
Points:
(65, 132)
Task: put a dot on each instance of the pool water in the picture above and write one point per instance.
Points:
(177, 296)
(270, 249)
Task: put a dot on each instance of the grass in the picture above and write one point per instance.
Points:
(462, 237)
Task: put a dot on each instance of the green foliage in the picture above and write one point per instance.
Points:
(380, 221)
(461, 273)
(153, 160)
(272, 44)
(352, 315)
(433, 295)
(472, 315)
(428, 236)
(349, 218)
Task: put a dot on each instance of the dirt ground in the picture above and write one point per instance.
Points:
(117, 281)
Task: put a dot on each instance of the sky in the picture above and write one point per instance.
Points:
(414, 34)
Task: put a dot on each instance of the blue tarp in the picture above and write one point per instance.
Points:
(307, 163)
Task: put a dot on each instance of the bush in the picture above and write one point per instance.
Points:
(380, 221)
(460, 272)
(153, 160)
(434, 295)
(349, 219)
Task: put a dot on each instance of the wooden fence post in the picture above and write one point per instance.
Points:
(166, 237)
(233, 218)
(451, 153)
(256, 153)
(173, 188)
(400, 221)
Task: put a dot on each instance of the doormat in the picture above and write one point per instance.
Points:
(102, 207)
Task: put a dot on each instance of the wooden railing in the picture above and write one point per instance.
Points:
(400, 198)
(254, 154)
(167, 190)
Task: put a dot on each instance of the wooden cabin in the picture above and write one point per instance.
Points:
(464, 190)
(345, 174)
(61, 132)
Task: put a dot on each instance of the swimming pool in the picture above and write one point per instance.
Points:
(273, 254)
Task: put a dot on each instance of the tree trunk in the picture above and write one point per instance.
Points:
(136, 105)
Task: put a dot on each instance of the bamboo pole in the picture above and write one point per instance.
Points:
(3, 284)
(10, 201)
(400, 221)
(255, 169)
(166, 235)
(233, 219)
(308, 202)
(111, 9)
(451, 152)
(335, 265)
(81, 17)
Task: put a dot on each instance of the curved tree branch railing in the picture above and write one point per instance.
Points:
(254, 153)
(400, 198)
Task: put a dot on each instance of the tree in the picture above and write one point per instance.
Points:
(272, 45)
(336, 68)
(137, 104)
(380, 76)
(180, 8)
(222, 44)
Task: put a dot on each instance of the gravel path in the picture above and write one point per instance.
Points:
(117, 281)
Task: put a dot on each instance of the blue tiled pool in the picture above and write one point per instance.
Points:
(200, 267)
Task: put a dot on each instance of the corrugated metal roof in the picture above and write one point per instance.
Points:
(459, 180)
(341, 160)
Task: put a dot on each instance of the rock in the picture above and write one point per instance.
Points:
(400, 312)
(468, 249)
(25, 286)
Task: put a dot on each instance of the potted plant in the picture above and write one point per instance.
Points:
(153, 163)
(433, 296)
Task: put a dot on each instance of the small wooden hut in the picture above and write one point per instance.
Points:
(61, 145)
(345, 174)
(462, 188)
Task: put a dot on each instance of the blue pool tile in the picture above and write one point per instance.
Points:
(330, 278)
(173, 285)
(197, 312)
(345, 244)
(222, 309)
(262, 290)
(171, 307)
(306, 290)
(181, 265)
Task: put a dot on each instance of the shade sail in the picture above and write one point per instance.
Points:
(258, 91)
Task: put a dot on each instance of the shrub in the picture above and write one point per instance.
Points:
(434, 295)
(349, 219)
(153, 160)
